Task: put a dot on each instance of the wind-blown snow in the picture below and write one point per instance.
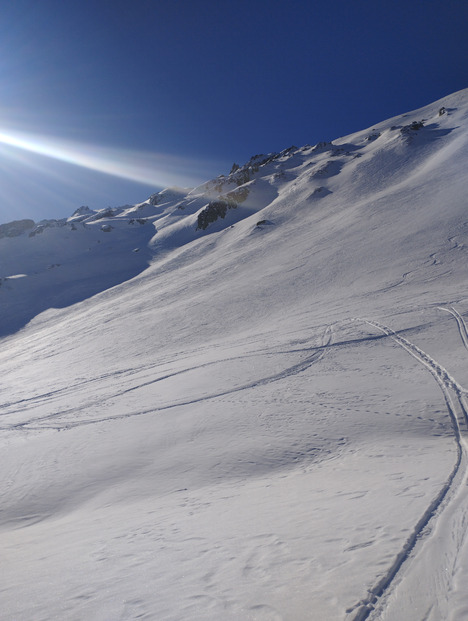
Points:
(261, 418)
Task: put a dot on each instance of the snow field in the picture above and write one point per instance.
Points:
(252, 421)
(216, 507)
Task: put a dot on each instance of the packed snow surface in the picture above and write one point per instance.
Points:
(246, 400)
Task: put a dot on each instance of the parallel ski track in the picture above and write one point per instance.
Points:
(461, 324)
(454, 395)
(55, 420)
(447, 385)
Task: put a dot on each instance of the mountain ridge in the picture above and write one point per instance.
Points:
(118, 243)
(252, 420)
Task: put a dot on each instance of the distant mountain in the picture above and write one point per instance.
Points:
(260, 386)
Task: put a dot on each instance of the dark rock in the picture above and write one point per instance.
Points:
(104, 213)
(154, 199)
(408, 130)
(16, 228)
(84, 210)
(238, 195)
(213, 211)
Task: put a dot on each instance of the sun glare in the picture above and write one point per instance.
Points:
(148, 168)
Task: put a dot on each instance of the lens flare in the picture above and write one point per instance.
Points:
(148, 168)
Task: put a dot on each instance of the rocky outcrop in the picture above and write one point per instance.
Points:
(213, 211)
(51, 224)
(16, 228)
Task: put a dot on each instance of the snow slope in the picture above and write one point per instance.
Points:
(246, 400)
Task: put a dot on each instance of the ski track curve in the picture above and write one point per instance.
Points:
(454, 396)
(458, 414)
(460, 322)
(56, 421)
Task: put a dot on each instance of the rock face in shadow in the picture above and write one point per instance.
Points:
(214, 210)
(16, 228)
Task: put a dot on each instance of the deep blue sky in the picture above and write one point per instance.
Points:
(189, 86)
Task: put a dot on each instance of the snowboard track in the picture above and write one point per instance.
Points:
(363, 609)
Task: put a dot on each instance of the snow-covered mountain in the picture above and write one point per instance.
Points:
(246, 400)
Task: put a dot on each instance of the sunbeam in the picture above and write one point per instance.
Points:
(148, 168)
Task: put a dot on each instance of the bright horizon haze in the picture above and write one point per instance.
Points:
(103, 103)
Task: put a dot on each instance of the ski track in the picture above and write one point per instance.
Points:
(454, 396)
(458, 414)
(461, 324)
(317, 354)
